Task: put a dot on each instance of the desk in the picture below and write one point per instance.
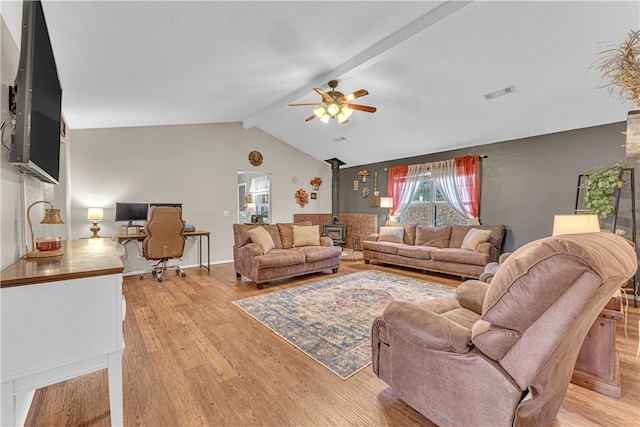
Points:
(124, 238)
(62, 317)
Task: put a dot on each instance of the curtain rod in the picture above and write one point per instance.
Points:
(481, 156)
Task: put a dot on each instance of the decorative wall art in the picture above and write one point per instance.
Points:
(363, 175)
(302, 198)
(294, 179)
(365, 192)
(316, 183)
(314, 196)
(356, 184)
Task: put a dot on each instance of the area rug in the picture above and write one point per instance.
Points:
(331, 320)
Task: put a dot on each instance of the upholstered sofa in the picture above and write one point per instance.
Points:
(446, 249)
(502, 354)
(292, 250)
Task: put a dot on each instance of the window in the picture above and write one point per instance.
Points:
(430, 208)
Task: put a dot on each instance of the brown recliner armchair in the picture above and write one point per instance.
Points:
(502, 354)
(164, 240)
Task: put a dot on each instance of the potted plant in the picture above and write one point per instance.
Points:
(601, 183)
(621, 66)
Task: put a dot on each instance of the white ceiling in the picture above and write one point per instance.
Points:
(425, 64)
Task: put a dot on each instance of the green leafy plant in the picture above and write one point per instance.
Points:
(601, 183)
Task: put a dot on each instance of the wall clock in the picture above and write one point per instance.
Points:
(255, 158)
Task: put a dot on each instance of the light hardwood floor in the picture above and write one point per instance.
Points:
(192, 358)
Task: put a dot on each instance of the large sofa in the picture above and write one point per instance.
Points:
(294, 249)
(440, 250)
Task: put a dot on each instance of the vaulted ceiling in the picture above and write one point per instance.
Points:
(427, 66)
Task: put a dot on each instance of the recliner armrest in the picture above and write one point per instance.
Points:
(470, 295)
(426, 328)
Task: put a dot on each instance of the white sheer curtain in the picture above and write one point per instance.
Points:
(444, 174)
(415, 175)
(259, 184)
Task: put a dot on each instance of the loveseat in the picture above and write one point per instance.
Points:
(460, 250)
(502, 354)
(263, 253)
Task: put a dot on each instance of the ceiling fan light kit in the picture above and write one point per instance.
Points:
(335, 105)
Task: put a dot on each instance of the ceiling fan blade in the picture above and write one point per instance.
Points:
(323, 94)
(362, 108)
(311, 117)
(354, 95)
(301, 105)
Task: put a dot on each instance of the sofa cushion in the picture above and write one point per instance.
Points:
(391, 234)
(286, 232)
(383, 247)
(306, 235)
(262, 237)
(318, 253)
(474, 237)
(409, 237)
(460, 256)
(430, 236)
(459, 232)
(241, 234)
(415, 252)
(279, 258)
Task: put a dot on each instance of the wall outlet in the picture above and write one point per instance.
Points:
(225, 213)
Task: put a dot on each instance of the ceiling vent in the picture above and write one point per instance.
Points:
(339, 139)
(501, 92)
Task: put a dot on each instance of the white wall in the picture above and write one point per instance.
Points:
(195, 165)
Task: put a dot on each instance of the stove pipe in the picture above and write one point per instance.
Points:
(335, 181)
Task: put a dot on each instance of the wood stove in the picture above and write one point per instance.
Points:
(336, 232)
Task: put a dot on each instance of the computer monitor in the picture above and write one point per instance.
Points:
(131, 212)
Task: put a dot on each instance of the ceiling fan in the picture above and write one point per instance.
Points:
(336, 105)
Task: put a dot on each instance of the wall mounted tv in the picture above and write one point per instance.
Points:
(36, 100)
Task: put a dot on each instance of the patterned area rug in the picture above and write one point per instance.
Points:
(331, 320)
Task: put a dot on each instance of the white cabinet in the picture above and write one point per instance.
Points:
(61, 319)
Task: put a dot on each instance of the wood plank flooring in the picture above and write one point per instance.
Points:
(194, 359)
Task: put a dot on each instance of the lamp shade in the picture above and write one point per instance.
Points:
(251, 207)
(386, 202)
(573, 224)
(95, 214)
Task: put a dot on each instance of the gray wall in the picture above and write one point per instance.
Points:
(524, 182)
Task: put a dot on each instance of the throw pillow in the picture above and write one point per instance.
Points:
(474, 237)
(306, 235)
(435, 237)
(391, 234)
(262, 237)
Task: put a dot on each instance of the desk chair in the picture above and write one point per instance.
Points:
(164, 239)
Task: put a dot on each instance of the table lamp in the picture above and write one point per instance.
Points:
(95, 215)
(251, 207)
(47, 246)
(386, 202)
(572, 224)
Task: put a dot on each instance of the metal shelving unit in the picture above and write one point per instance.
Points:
(624, 217)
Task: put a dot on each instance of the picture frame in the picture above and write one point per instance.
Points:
(314, 196)
(256, 219)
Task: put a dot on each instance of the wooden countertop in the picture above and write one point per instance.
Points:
(82, 258)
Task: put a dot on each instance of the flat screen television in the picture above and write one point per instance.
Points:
(37, 95)
(131, 212)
